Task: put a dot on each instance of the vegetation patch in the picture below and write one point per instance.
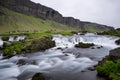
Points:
(110, 69)
(115, 32)
(84, 45)
(11, 48)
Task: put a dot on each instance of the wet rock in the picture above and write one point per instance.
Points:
(59, 48)
(21, 62)
(5, 38)
(38, 76)
(100, 47)
(91, 69)
(92, 48)
(84, 45)
(117, 42)
(114, 54)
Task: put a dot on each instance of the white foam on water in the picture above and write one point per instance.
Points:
(70, 41)
(8, 69)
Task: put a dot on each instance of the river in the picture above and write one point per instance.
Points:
(63, 62)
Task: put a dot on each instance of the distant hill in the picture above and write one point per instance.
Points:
(27, 16)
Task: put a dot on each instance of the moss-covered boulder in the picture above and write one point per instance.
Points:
(11, 48)
(84, 45)
(38, 76)
(39, 44)
(117, 42)
(5, 38)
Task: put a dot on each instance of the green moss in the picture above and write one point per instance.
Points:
(110, 69)
(5, 38)
(115, 32)
(10, 48)
(39, 44)
(84, 45)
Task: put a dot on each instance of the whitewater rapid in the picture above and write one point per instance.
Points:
(63, 62)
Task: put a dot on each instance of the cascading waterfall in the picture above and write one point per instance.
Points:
(58, 63)
(70, 41)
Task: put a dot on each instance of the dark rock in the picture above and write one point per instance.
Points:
(91, 69)
(84, 45)
(117, 42)
(40, 11)
(5, 38)
(100, 47)
(21, 62)
(38, 76)
(114, 54)
(59, 48)
(92, 48)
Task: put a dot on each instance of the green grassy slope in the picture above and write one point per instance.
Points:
(14, 22)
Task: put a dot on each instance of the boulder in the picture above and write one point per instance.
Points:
(114, 54)
(38, 76)
(117, 42)
(84, 45)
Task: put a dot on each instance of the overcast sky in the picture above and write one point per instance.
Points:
(100, 11)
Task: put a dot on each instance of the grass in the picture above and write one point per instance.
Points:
(93, 27)
(110, 69)
(13, 23)
(115, 32)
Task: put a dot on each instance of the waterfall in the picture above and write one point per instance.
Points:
(70, 41)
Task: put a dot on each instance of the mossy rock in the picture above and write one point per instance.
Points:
(10, 48)
(5, 38)
(117, 42)
(38, 76)
(39, 44)
(84, 45)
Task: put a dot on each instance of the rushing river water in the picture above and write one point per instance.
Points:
(63, 62)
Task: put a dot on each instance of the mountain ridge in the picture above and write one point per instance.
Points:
(40, 11)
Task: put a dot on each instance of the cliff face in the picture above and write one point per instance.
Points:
(30, 8)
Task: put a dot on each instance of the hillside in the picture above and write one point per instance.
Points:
(27, 16)
(14, 22)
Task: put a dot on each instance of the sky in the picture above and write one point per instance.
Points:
(105, 12)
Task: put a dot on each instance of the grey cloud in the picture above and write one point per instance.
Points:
(100, 11)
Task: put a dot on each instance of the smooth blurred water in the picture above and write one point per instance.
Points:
(63, 62)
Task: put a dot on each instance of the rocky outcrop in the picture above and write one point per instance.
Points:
(30, 8)
(114, 54)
